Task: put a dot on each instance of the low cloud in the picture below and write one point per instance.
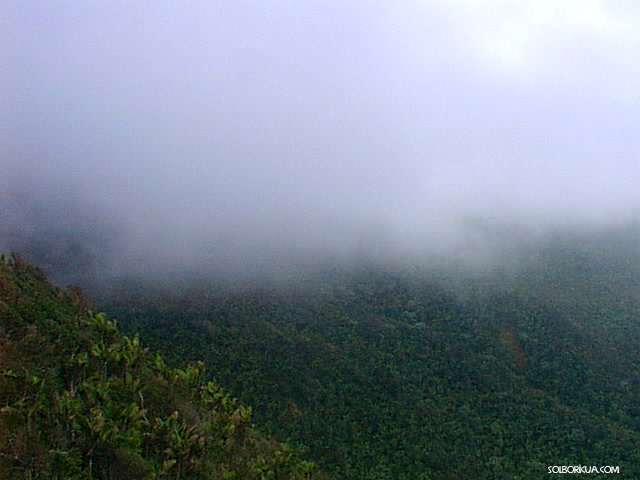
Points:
(246, 135)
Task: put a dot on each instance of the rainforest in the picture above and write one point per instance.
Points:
(360, 240)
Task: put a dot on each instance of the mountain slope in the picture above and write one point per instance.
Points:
(386, 376)
(80, 400)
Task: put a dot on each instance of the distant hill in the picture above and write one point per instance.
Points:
(398, 376)
(78, 400)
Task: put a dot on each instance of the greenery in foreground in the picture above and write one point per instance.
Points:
(78, 400)
(385, 376)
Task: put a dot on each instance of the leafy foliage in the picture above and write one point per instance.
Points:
(78, 400)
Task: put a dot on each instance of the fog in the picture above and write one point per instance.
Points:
(237, 136)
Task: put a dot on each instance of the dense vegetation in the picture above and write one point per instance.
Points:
(396, 376)
(372, 374)
(78, 400)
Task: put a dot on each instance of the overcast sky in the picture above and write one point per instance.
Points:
(320, 126)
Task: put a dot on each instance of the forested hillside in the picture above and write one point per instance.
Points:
(78, 400)
(395, 376)
(368, 373)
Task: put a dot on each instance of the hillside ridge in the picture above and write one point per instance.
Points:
(79, 400)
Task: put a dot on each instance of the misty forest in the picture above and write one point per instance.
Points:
(319, 240)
